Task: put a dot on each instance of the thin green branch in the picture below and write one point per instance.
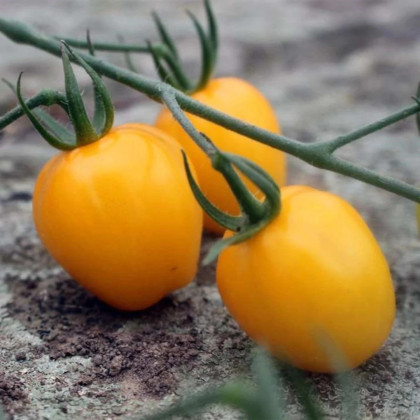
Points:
(317, 154)
(371, 128)
(43, 98)
(169, 99)
(161, 50)
(62, 141)
(111, 47)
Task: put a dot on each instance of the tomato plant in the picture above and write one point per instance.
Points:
(312, 278)
(299, 281)
(241, 100)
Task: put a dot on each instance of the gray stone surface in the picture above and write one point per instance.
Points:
(328, 66)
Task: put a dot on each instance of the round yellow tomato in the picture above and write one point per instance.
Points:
(313, 280)
(119, 216)
(241, 100)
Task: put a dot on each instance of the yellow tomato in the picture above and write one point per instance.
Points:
(119, 216)
(312, 280)
(241, 100)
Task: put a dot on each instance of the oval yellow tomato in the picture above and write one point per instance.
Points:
(119, 216)
(312, 280)
(241, 100)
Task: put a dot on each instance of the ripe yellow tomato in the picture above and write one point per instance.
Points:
(119, 216)
(241, 100)
(312, 280)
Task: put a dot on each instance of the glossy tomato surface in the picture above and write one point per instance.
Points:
(119, 216)
(313, 286)
(241, 100)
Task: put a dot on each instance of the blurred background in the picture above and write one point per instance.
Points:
(328, 67)
(298, 53)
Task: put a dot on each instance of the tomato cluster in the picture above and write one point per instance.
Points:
(119, 216)
(117, 210)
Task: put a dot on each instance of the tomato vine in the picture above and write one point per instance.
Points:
(319, 154)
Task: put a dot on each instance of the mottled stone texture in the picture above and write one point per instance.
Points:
(328, 66)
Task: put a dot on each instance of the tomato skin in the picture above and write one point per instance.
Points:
(119, 216)
(315, 273)
(241, 100)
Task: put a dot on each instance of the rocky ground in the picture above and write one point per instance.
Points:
(328, 66)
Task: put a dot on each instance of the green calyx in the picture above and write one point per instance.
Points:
(165, 54)
(255, 215)
(86, 131)
(167, 60)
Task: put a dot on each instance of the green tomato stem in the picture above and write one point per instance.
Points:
(317, 154)
(247, 201)
(111, 47)
(43, 98)
(371, 128)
